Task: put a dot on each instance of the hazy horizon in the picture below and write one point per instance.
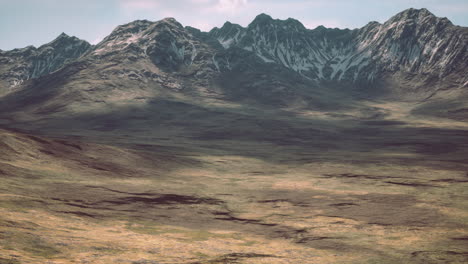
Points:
(32, 22)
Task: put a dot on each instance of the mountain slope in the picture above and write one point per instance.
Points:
(19, 65)
(267, 144)
(144, 61)
(413, 44)
(271, 63)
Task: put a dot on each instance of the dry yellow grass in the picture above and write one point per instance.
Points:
(394, 198)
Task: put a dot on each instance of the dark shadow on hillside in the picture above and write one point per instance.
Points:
(280, 138)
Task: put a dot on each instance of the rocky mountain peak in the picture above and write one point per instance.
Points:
(31, 62)
(372, 24)
(412, 13)
(266, 21)
(229, 34)
(414, 42)
(165, 44)
(138, 35)
(261, 19)
(62, 35)
(165, 25)
(228, 26)
(294, 23)
(172, 21)
(64, 40)
(131, 28)
(418, 17)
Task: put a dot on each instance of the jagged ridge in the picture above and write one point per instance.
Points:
(413, 42)
(412, 49)
(19, 65)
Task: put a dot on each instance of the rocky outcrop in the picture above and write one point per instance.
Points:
(413, 42)
(19, 65)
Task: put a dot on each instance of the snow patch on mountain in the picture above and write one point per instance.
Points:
(413, 41)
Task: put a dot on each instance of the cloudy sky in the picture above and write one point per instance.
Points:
(35, 22)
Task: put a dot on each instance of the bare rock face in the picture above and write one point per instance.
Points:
(414, 55)
(19, 65)
(419, 45)
(166, 43)
(413, 42)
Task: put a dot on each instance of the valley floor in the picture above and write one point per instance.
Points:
(292, 190)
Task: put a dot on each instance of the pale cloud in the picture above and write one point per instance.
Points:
(168, 13)
(201, 1)
(459, 8)
(130, 7)
(230, 6)
(96, 40)
(202, 25)
(139, 4)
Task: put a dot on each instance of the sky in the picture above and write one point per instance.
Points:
(36, 22)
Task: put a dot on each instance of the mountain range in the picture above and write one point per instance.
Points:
(279, 64)
(270, 143)
(413, 55)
